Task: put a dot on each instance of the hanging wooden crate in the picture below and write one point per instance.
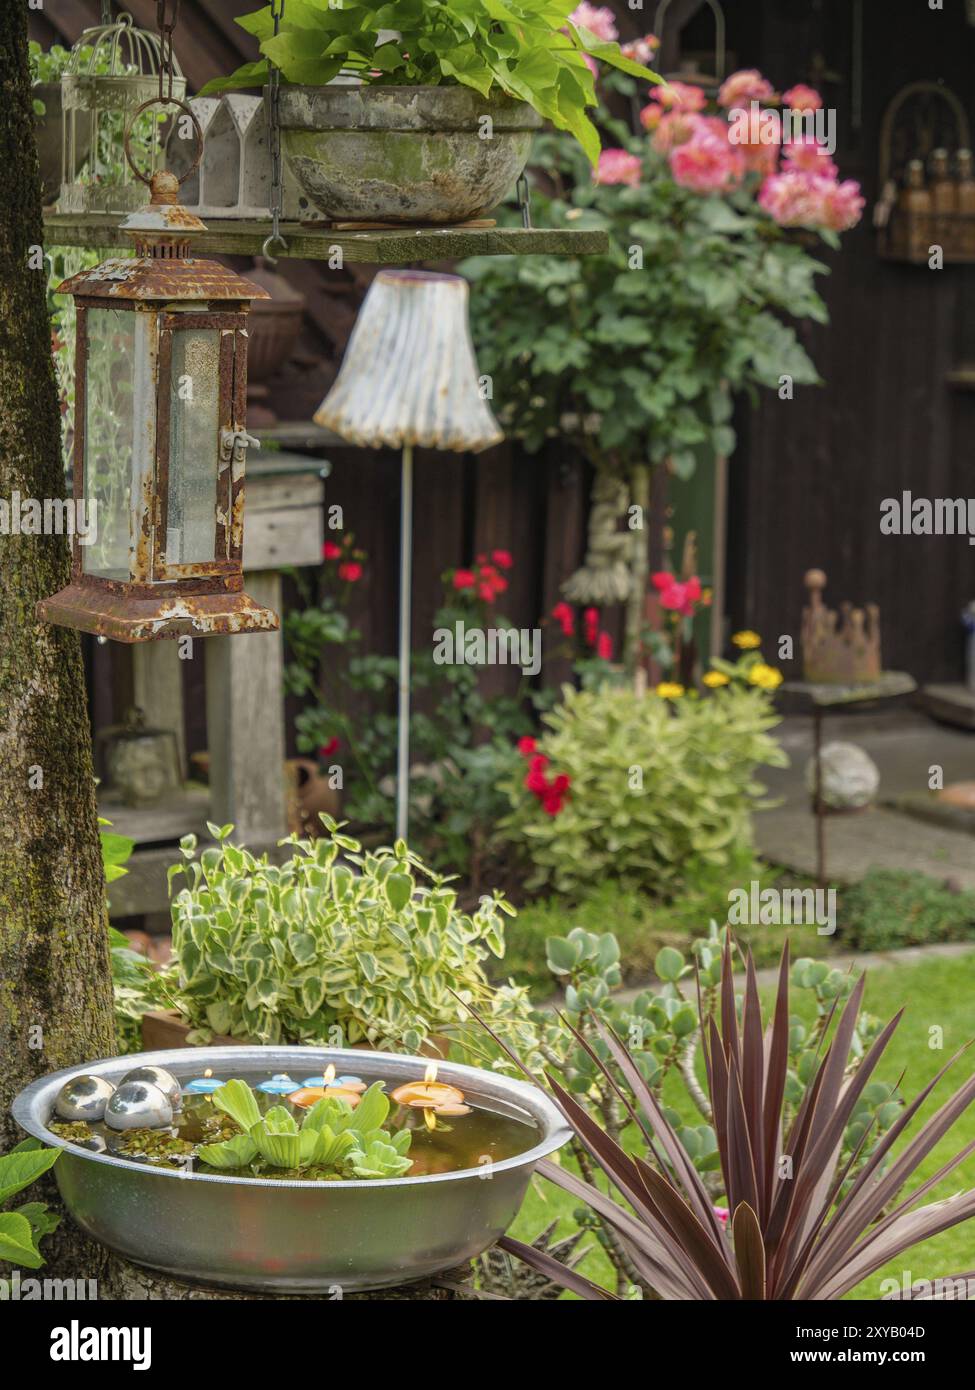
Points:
(925, 121)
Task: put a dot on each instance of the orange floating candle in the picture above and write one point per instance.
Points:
(432, 1095)
(307, 1096)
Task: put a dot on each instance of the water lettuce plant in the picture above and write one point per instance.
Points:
(794, 1228)
(527, 49)
(347, 1142)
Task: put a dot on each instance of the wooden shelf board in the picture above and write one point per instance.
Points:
(238, 238)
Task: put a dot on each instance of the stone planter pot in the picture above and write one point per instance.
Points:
(404, 154)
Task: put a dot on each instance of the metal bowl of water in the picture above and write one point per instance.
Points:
(287, 1236)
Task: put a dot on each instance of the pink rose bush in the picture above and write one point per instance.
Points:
(795, 180)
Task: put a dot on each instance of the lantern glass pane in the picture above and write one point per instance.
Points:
(109, 418)
(191, 520)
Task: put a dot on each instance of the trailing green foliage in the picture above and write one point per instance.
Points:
(332, 947)
(525, 49)
(346, 1142)
(22, 1228)
(660, 792)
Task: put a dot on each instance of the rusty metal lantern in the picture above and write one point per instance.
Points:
(159, 437)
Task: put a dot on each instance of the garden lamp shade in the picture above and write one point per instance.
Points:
(409, 377)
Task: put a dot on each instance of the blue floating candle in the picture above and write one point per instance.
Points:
(279, 1085)
(202, 1086)
(334, 1081)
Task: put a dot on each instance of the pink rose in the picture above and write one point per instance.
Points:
(792, 198)
(802, 98)
(842, 205)
(743, 87)
(707, 164)
(672, 128)
(684, 96)
(598, 19)
(618, 166)
(641, 50)
(811, 157)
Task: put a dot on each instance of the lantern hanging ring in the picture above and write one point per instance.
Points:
(197, 130)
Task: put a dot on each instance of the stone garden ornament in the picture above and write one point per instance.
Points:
(409, 378)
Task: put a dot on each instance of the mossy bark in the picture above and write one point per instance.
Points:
(55, 978)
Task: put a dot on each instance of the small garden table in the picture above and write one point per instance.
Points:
(823, 698)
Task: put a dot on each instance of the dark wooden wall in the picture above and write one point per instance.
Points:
(808, 476)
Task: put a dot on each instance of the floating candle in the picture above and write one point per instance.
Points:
(279, 1085)
(307, 1096)
(202, 1085)
(432, 1096)
(349, 1083)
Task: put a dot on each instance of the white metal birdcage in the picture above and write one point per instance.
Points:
(113, 70)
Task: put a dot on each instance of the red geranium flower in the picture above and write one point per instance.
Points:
(604, 647)
(463, 579)
(331, 551)
(327, 749)
(565, 618)
(350, 571)
(502, 558)
(526, 746)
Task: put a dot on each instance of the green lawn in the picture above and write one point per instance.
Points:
(937, 994)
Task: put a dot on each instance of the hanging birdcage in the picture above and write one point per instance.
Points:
(113, 70)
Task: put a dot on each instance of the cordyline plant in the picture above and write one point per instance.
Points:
(794, 1231)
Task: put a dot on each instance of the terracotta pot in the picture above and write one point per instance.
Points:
(308, 795)
(165, 1029)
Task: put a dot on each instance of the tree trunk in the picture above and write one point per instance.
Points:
(55, 978)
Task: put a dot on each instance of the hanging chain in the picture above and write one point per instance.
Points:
(525, 201)
(106, 12)
(274, 147)
(166, 26)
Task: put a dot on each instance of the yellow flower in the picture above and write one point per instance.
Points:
(669, 690)
(765, 676)
(714, 679)
(747, 640)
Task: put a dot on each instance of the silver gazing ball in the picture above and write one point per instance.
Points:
(158, 1076)
(138, 1105)
(83, 1098)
